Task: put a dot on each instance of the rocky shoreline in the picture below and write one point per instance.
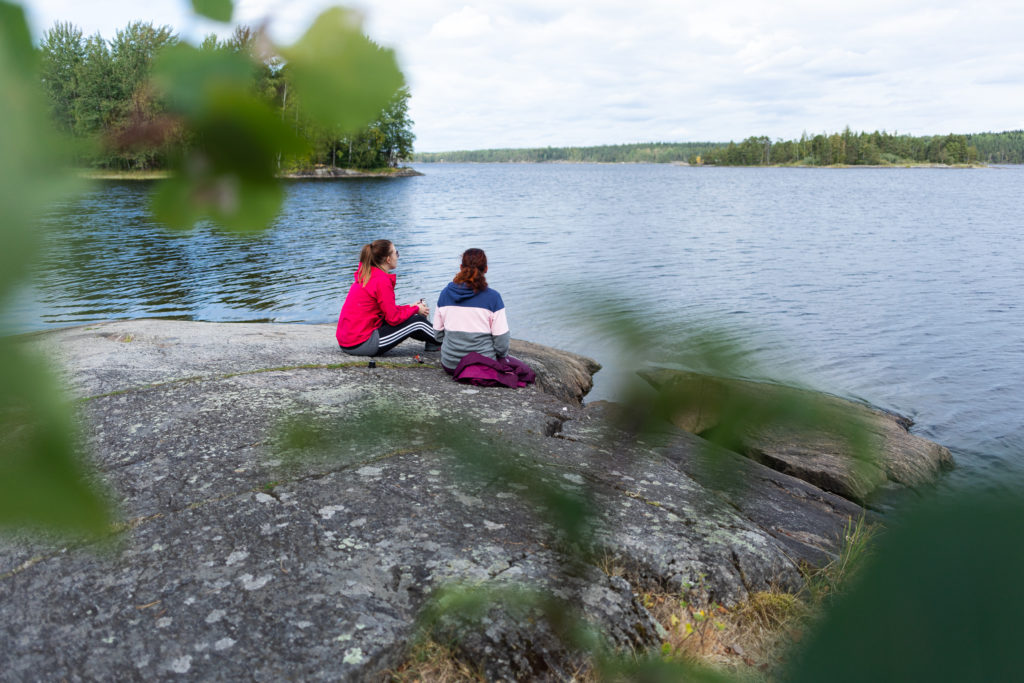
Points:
(252, 548)
(327, 173)
(320, 172)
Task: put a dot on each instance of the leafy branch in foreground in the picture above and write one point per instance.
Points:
(227, 174)
(42, 481)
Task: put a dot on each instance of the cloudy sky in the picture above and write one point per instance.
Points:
(526, 73)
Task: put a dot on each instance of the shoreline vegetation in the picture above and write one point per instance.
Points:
(909, 164)
(845, 149)
(111, 102)
(317, 173)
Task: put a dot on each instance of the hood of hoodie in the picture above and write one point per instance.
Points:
(459, 292)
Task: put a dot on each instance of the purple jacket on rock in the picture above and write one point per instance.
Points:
(478, 369)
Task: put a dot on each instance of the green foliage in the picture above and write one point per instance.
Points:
(229, 170)
(651, 669)
(830, 581)
(941, 600)
(218, 10)
(229, 141)
(341, 77)
(42, 483)
(123, 101)
(380, 144)
(997, 148)
(698, 389)
(476, 458)
(62, 53)
(189, 77)
(236, 140)
(650, 152)
(455, 608)
(877, 148)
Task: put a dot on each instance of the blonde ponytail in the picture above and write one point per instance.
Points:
(372, 254)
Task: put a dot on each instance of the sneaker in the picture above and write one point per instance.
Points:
(431, 347)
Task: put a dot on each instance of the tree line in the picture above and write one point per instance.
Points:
(874, 149)
(877, 148)
(648, 152)
(103, 98)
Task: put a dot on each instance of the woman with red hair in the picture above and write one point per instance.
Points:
(371, 323)
(470, 322)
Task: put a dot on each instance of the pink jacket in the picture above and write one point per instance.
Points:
(369, 306)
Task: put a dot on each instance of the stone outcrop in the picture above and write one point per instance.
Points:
(328, 173)
(246, 554)
(822, 457)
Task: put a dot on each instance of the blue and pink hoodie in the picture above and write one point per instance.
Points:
(466, 321)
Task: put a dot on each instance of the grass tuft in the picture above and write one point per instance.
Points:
(428, 660)
(752, 640)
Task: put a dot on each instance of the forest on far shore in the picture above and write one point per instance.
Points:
(846, 148)
(102, 96)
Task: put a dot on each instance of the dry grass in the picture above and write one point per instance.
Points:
(433, 662)
(752, 639)
(748, 641)
(833, 578)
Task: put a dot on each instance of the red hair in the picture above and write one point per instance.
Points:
(372, 254)
(474, 265)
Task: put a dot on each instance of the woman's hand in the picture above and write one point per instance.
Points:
(424, 308)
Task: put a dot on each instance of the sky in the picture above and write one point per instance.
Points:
(534, 73)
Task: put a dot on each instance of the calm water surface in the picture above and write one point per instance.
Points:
(898, 286)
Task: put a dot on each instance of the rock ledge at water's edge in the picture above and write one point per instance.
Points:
(237, 563)
(899, 459)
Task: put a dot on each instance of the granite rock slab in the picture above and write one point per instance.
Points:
(820, 457)
(242, 554)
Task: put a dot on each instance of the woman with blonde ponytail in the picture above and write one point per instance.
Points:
(371, 323)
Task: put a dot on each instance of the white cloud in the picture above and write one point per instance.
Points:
(536, 72)
(466, 23)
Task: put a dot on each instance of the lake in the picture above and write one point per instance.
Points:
(901, 287)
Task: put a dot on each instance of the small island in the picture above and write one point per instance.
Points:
(321, 172)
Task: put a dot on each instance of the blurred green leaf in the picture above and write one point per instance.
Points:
(189, 77)
(698, 383)
(456, 608)
(17, 41)
(30, 160)
(651, 669)
(732, 413)
(236, 203)
(342, 79)
(42, 482)
(230, 173)
(218, 10)
(477, 458)
(941, 599)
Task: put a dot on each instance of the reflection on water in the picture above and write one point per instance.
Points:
(899, 286)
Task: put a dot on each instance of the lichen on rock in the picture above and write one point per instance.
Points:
(290, 512)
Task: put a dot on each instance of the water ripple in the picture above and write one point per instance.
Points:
(900, 287)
